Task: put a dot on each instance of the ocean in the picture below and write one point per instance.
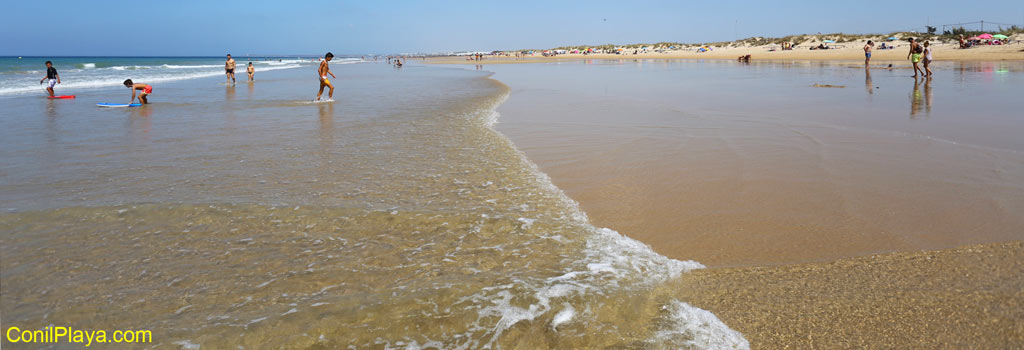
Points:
(248, 216)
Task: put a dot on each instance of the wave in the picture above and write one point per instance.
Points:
(174, 66)
(129, 67)
(347, 61)
(93, 65)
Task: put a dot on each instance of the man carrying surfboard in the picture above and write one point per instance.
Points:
(323, 71)
(52, 76)
(146, 90)
(229, 68)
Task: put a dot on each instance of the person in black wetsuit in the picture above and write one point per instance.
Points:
(52, 78)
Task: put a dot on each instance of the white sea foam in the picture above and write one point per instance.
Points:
(88, 65)
(174, 66)
(698, 328)
(347, 61)
(527, 222)
(563, 316)
(185, 344)
(121, 68)
(182, 309)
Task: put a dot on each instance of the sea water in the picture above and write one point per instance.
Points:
(247, 216)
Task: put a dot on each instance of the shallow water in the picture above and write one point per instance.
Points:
(737, 164)
(394, 217)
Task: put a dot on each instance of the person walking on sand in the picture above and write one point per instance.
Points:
(52, 78)
(146, 90)
(867, 52)
(323, 71)
(927, 59)
(914, 55)
(251, 70)
(229, 68)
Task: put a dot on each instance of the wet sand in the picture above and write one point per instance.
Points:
(735, 165)
(830, 218)
(963, 298)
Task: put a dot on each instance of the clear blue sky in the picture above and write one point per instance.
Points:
(190, 27)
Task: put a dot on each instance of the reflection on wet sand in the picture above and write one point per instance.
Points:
(928, 95)
(916, 99)
(140, 122)
(229, 92)
(52, 114)
(326, 125)
(867, 81)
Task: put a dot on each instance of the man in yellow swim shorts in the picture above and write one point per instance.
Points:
(915, 56)
(323, 71)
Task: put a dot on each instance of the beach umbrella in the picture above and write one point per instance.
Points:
(1000, 36)
(892, 38)
(985, 36)
(828, 41)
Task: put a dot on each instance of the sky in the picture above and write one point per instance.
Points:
(213, 28)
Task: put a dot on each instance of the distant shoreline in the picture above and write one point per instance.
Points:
(849, 52)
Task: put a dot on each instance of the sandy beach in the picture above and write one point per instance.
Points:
(849, 51)
(970, 297)
(652, 175)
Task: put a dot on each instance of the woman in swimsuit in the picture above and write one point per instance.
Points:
(927, 58)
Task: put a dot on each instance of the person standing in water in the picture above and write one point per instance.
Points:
(323, 71)
(229, 68)
(251, 70)
(52, 76)
(927, 59)
(867, 52)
